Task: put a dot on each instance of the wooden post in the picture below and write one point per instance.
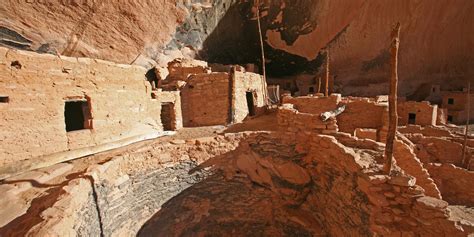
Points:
(465, 162)
(392, 100)
(319, 85)
(265, 90)
(326, 92)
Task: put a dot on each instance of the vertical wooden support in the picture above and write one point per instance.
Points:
(465, 161)
(264, 82)
(326, 77)
(392, 104)
(319, 85)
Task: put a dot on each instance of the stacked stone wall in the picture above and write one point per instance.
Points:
(32, 123)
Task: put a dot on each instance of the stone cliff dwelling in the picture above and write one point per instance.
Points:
(236, 118)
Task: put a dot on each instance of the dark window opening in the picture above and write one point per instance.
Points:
(450, 101)
(450, 118)
(311, 89)
(16, 64)
(411, 118)
(250, 102)
(77, 115)
(167, 116)
(4, 99)
(153, 79)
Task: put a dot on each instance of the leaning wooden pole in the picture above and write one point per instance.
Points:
(326, 77)
(465, 161)
(392, 100)
(265, 90)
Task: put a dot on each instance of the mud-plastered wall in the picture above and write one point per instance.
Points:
(115, 99)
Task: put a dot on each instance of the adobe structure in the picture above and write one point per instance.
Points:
(180, 132)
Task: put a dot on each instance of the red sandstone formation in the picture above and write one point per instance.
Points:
(190, 148)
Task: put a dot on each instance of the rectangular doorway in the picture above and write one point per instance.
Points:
(168, 118)
(411, 118)
(250, 102)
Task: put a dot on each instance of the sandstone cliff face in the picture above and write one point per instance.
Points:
(120, 31)
(436, 39)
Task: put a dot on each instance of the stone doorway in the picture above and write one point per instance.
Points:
(168, 116)
(411, 118)
(250, 102)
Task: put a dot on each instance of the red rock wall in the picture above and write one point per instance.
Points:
(436, 41)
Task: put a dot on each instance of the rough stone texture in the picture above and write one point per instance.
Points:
(174, 98)
(219, 98)
(331, 177)
(33, 121)
(119, 31)
(425, 113)
(362, 113)
(407, 160)
(313, 104)
(366, 133)
(454, 183)
(126, 190)
(458, 109)
(290, 119)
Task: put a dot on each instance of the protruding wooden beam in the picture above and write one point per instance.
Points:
(392, 100)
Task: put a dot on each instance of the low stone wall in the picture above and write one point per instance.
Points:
(455, 184)
(313, 104)
(437, 150)
(362, 113)
(290, 119)
(406, 159)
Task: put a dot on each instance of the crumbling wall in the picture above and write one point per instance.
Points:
(205, 100)
(361, 113)
(437, 150)
(182, 68)
(173, 97)
(407, 160)
(425, 113)
(32, 123)
(455, 184)
(292, 120)
(385, 205)
(312, 104)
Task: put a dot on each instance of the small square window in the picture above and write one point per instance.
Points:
(450, 118)
(77, 115)
(4, 99)
(450, 101)
(311, 89)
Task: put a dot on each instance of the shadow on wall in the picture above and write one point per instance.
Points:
(235, 41)
(222, 205)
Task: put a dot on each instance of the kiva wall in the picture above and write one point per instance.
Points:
(32, 120)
